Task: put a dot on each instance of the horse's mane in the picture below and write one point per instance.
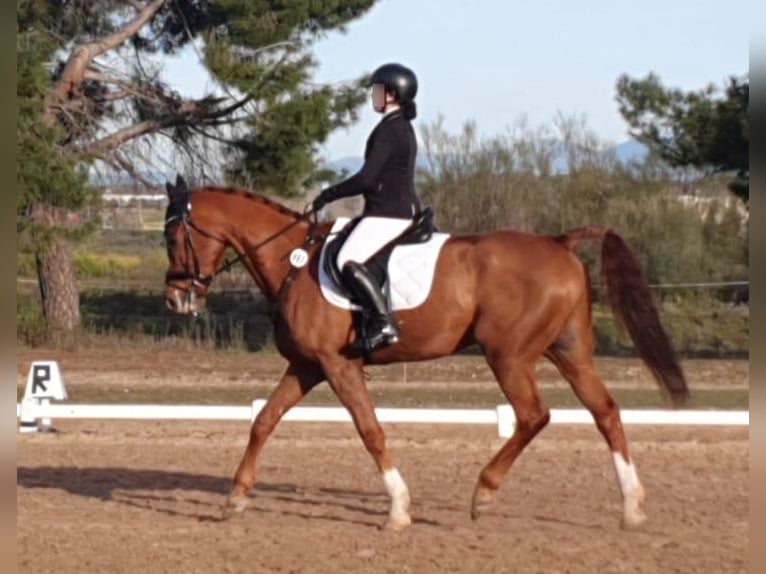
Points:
(242, 192)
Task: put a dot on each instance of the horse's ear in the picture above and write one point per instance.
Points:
(181, 185)
(171, 190)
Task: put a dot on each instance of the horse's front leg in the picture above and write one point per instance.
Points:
(295, 384)
(347, 380)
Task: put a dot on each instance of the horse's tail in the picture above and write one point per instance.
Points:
(631, 300)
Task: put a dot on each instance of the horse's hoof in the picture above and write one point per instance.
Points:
(483, 498)
(398, 523)
(478, 509)
(633, 520)
(235, 506)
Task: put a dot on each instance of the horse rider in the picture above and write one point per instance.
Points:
(386, 180)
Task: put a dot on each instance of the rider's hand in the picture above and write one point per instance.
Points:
(319, 202)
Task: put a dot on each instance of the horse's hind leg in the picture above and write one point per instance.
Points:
(295, 383)
(573, 355)
(516, 376)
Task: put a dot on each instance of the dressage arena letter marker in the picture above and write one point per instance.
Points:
(42, 376)
(44, 383)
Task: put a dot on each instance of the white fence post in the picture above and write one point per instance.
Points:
(505, 421)
(257, 405)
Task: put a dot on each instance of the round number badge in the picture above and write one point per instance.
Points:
(299, 257)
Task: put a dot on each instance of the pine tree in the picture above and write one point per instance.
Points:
(699, 129)
(80, 106)
(49, 188)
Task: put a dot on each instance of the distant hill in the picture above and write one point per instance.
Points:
(626, 152)
(351, 164)
(631, 150)
(121, 179)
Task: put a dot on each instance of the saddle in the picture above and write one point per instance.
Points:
(420, 231)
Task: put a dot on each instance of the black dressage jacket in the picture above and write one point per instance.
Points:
(387, 178)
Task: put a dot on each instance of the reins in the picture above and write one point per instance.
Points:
(196, 277)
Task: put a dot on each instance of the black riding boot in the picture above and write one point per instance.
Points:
(380, 328)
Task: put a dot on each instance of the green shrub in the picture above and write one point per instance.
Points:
(698, 327)
(31, 329)
(108, 265)
(236, 321)
(477, 185)
(25, 265)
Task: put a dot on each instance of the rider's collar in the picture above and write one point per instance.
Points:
(393, 110)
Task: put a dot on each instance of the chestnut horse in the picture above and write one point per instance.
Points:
(520, 296)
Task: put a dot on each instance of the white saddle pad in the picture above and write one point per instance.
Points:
(410, 272)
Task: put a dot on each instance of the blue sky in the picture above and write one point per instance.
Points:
(496, 61)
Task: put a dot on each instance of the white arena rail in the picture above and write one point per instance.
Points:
(502, 416)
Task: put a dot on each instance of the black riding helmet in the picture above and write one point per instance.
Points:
(397, 78)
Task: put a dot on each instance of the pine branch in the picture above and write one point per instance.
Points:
(114, 140)
(100, 77)
(120, 162)
(214, 137)
(230, 109)
(127, 88)
(82, 56)
(190, 113)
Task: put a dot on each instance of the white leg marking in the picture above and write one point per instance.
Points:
(632, 491)
(398, 492)
(626, 476)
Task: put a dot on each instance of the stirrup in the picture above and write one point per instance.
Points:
(391, 332)
(386, 335)
(376, 342)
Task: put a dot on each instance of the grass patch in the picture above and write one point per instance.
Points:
(31, 327)
(233, 321)
(698, 327)
(239, 320)
(148, 267)
(105, 265)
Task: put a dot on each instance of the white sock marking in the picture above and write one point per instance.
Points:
(397, 491)
(626, 476)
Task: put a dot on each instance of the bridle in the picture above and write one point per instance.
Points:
(194, 275)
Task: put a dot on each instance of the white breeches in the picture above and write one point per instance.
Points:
(369, 235)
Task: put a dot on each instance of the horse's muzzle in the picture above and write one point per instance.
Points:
(184, 302)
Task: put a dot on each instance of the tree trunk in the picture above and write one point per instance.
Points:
(58, 289)
(55, 273)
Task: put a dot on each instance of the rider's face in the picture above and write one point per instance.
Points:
(380, 98)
